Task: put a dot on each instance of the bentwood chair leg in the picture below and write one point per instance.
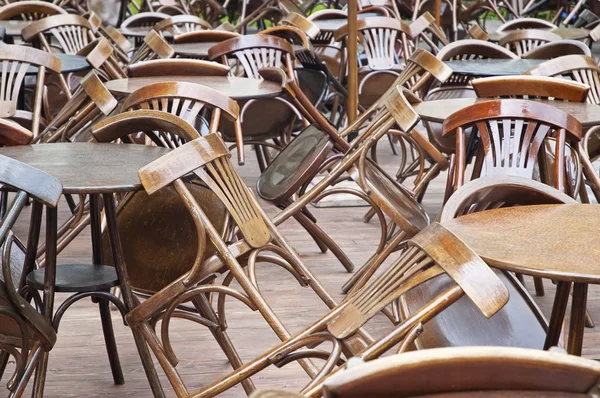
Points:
(539, 286)
(103, 305)
(558, 314)
(3, 362)
(320, 236)
(36, 354)
(128, 299)
(577, 325)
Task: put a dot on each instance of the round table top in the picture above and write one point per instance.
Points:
(437, 111)
(13, 28)
(68, 63)
(565, 33)
(237, 88)
(551, 241)
(200, 50)
(492, 67)
(84, 167)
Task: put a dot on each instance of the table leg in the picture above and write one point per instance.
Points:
(558, 314)
(577, 325)
(128, 299)
(49, 282)
(104, 307)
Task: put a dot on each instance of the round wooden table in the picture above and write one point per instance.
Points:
(68, 63)
(437, 111)
(492, 67)
(99, 170)
(557, 242)
(565, 33)
(237, 88)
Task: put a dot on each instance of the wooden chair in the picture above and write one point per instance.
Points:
(21, 59)
(558, 48)
(25, 333)
(291, 34)
(257, 237)
(101, 56)
(526, 23)
(153, 47)
(29, 10)
(384, 43)
(204, 36)
(435, 252)
(530, 87)
(477, 33)
(177, 67)
(469, 371)
(304, 24)
(512, 133)
(522, 41)
(144, 19)
(68, 33)
(426, 29)
(248, 54)
(120, 44)
(580, 68)
(180, 24)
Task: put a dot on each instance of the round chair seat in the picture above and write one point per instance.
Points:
(288, 171)
(71, 278)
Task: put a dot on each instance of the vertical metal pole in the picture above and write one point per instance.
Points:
(352, 48)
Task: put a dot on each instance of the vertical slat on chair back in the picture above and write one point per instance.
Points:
(71, 32)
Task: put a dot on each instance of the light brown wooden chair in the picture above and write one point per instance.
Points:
(153, 47)
(67, 33)
(530, 87)
(426, 29)
(177, 67)
(29, 10)
(477, 33)
(143, 19)
(469, 372)
(304, 24)
(102, 57)
(580, 68)
(180, 24)
(522, 41)
(24, 333)
(120, 44)
(432, 253)
(558, 48)
(291, 34)
(526, 23)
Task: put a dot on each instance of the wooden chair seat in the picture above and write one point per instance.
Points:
(287, 172)
(372, 85)
(12, 132)
(168, 247)
(74, 278)
(518, 324)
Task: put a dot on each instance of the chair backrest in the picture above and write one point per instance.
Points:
(153, 47)
(557, 49)
(205, 36)
(208, 158)
(424, 27)
(526, 23)
(421, 68)
(522, 41)
(289, 33)
(180, 24)
(474, 49)
(177, 67)
(580, 68)
(200, 106)
(90, 102)
(327, 14)
(477, 33)
(530, 87)
(304, 24)
(499, 371)
(70, 32)
(17, 60)
(101, 56)
(380, 37)
(512, 133)
(254, 52)
(144, 19)
(29, 10)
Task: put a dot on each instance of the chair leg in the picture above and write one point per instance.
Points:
(539, 286)
(260, 158)
(4, 357)
(320, 235)
(111, 345)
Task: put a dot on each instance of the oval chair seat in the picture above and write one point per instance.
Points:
(518, 324)
(74, 278)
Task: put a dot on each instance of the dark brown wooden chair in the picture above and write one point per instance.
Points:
(580, 68)
(153, 47)
(304, 24)
(67, 33)
(29, 10)
(522, 41)
(558, 48)
(24, 333)
(180, 24)
(530, 87)
(289, 33)
(204, 36)
(249, 54)
(468, 372)
(526, 23)
(435, 252)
